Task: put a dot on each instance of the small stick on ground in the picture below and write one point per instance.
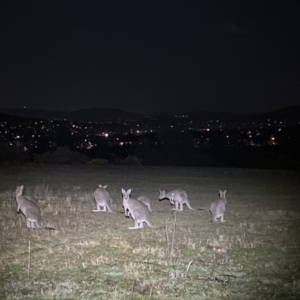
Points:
(28, 260)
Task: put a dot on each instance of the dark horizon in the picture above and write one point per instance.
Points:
(154, 113)
(150, 57)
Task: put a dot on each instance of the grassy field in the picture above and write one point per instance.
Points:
(254, 255)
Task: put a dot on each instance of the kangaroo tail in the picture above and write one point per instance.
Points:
(189, 206)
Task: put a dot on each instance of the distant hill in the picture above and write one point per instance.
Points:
(105, 115)
(101, 115)
(289, 113)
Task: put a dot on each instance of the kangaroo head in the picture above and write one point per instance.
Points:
(126, 194)
(162, 194)
(19, 190)
(222, 194)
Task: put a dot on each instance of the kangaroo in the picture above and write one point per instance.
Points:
(217, 207)
(137, 210)
(30, 210)
(146, 201)
(103, 199)
(178, 196)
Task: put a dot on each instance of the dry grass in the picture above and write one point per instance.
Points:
(91, 255)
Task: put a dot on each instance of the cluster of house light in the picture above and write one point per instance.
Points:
(14, 134)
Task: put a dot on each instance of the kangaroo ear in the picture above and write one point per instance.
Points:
(105, 186)
(129, 191)
(123, 191)
(225, 192)
(21, 187)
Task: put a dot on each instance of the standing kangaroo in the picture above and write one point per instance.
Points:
(146, 201)
(137, 209)
(178, 196)
(217, 208)
(102, 199)
(30, 210)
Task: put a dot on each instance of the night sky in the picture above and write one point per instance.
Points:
(150, 56)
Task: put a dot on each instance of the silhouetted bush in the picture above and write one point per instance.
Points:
(129, 161)
(11, 154)
(98, 161)
(62, 155)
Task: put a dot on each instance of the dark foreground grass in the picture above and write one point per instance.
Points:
(254, 255)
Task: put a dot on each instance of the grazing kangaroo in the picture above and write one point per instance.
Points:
(30, 210)
(146, 201)
(217, 207)
(103, 199)
(137, 210)
(178, 196)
